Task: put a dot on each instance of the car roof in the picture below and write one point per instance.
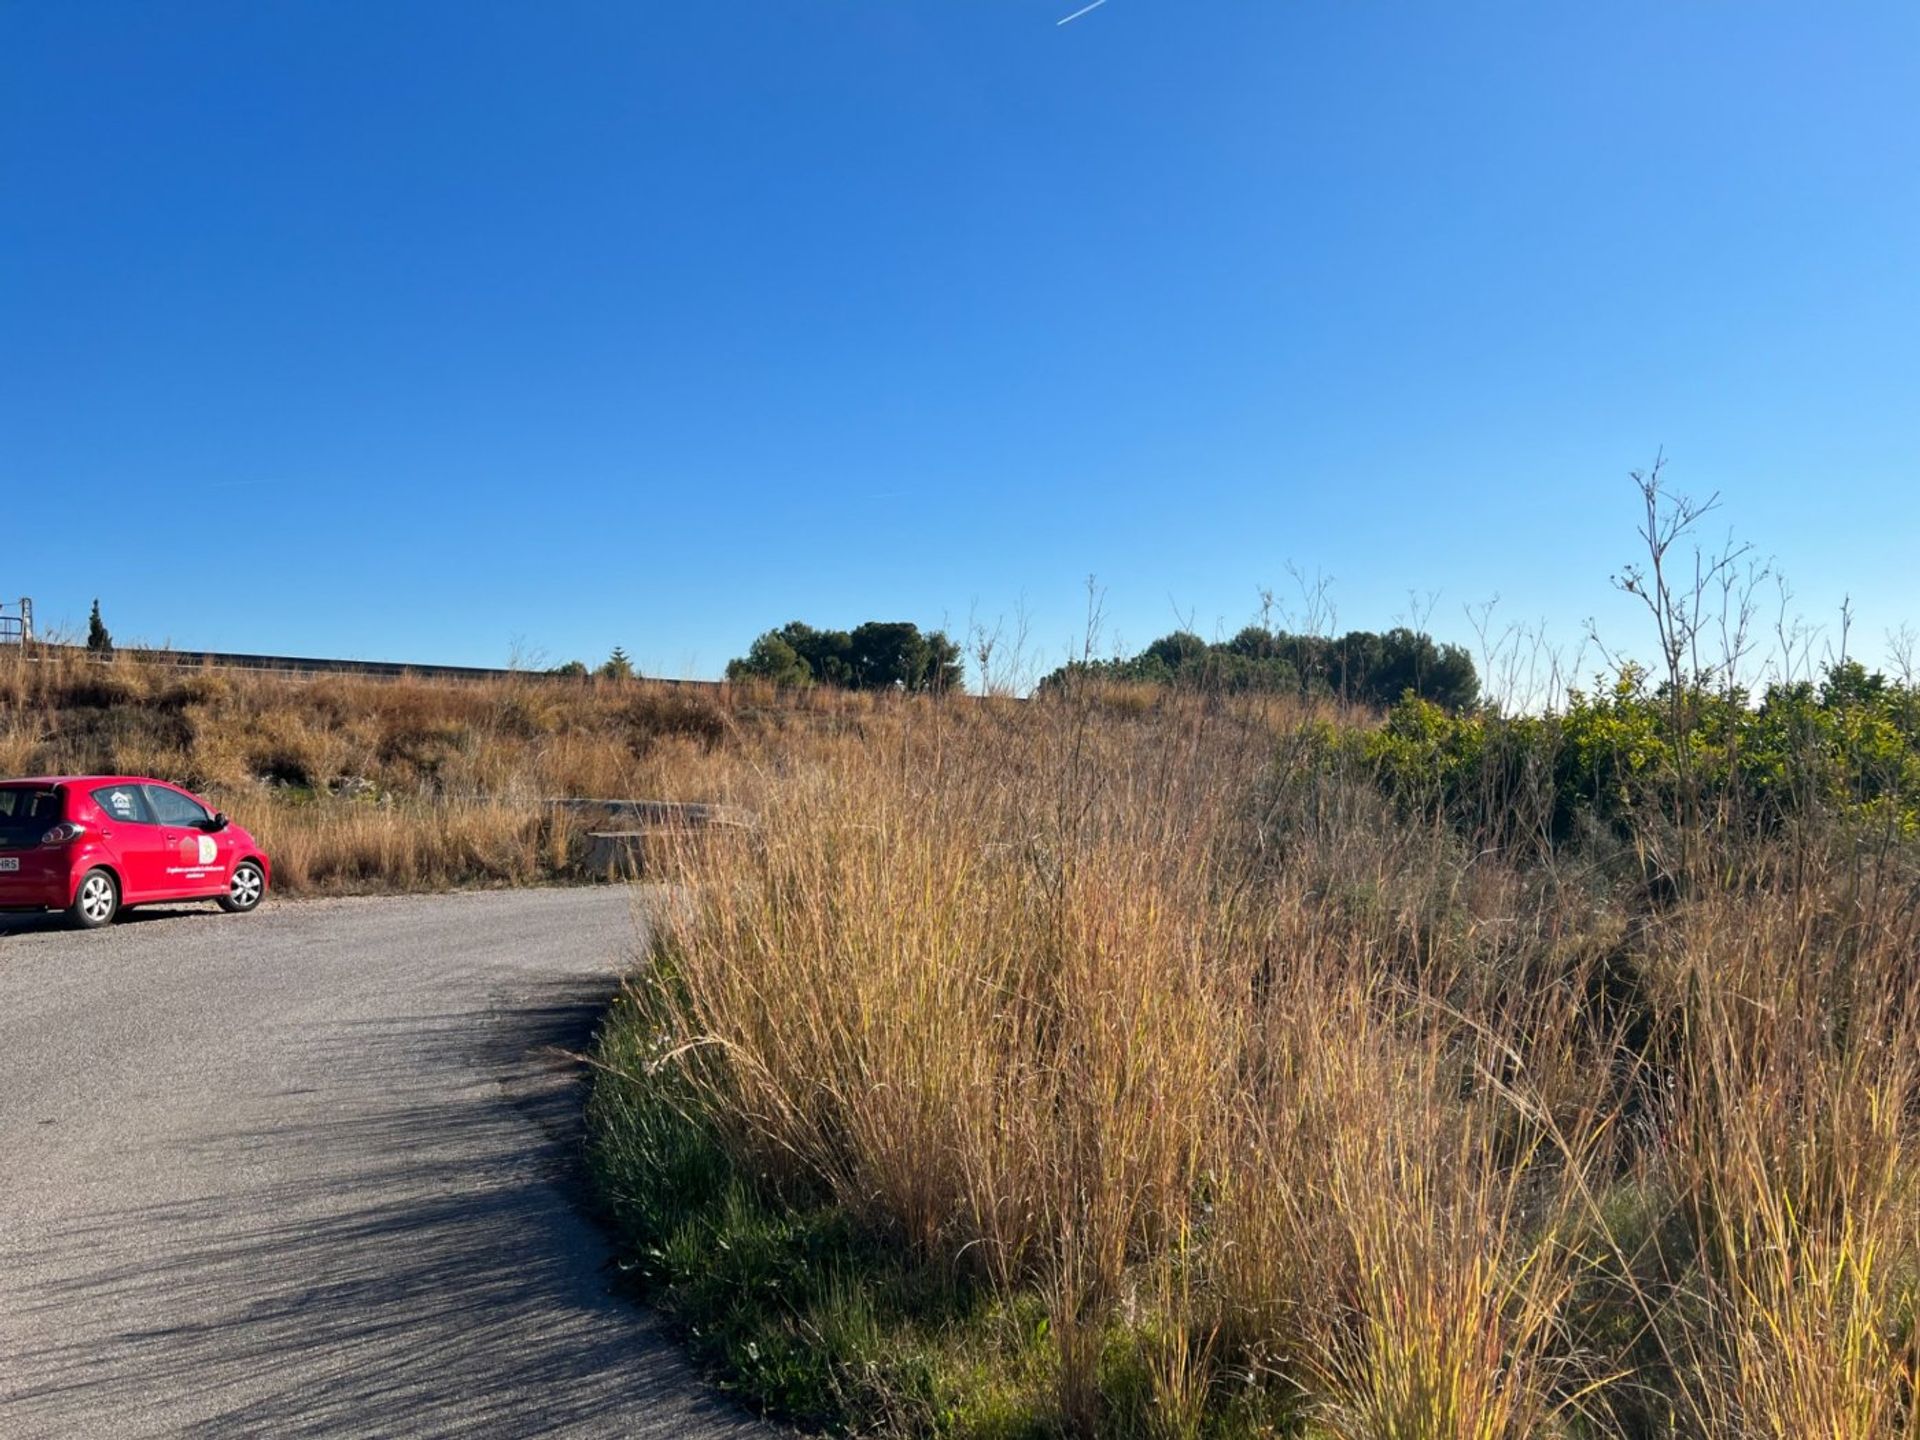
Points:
(88, 780)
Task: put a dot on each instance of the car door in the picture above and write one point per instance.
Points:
(136, 841)
(195, 863)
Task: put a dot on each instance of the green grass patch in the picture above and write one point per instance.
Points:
(779, 1295)
(790, 1305)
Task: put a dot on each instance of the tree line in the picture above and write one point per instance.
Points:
(1361, 666)
(879, 655)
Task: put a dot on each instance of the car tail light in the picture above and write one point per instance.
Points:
(63, 833)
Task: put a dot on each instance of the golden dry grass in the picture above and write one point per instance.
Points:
(363, 783)
(1153, 1012)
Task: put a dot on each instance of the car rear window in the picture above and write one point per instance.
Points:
(27, 813)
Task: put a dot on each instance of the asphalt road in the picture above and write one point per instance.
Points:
(314, 1171)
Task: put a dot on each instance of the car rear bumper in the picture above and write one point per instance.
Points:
(43, 882)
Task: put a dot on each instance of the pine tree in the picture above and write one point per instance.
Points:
(618, 666)
(98, 640)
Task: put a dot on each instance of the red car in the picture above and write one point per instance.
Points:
(92, 845)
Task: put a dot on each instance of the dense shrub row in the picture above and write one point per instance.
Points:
(1360, 667)
(1627, 757)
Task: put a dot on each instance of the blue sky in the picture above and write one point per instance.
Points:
(419, 330)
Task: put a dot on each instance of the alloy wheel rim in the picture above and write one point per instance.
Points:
(96, 898)
(246, 887)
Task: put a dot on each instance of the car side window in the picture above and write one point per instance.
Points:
(170, 807)
(124, 802)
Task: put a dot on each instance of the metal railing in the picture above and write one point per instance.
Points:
(16, 623)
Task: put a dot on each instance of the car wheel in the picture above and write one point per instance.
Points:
(96, 902)
(246, 890)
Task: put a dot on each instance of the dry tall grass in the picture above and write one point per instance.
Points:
(1336, 1127)
(363, 783)
(1146, 1005)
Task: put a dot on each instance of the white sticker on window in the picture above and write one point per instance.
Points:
(122, 802)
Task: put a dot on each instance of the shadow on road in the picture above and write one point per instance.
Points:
(439, 1262)
(33, 922)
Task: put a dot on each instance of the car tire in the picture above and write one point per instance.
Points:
(245, 890)
(96, 902)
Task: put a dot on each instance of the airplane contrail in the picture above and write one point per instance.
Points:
(1084, 9)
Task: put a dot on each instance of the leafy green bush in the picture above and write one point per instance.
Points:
(1626, 755)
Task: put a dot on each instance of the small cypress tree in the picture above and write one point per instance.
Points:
(618, 666)
(98, 640)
